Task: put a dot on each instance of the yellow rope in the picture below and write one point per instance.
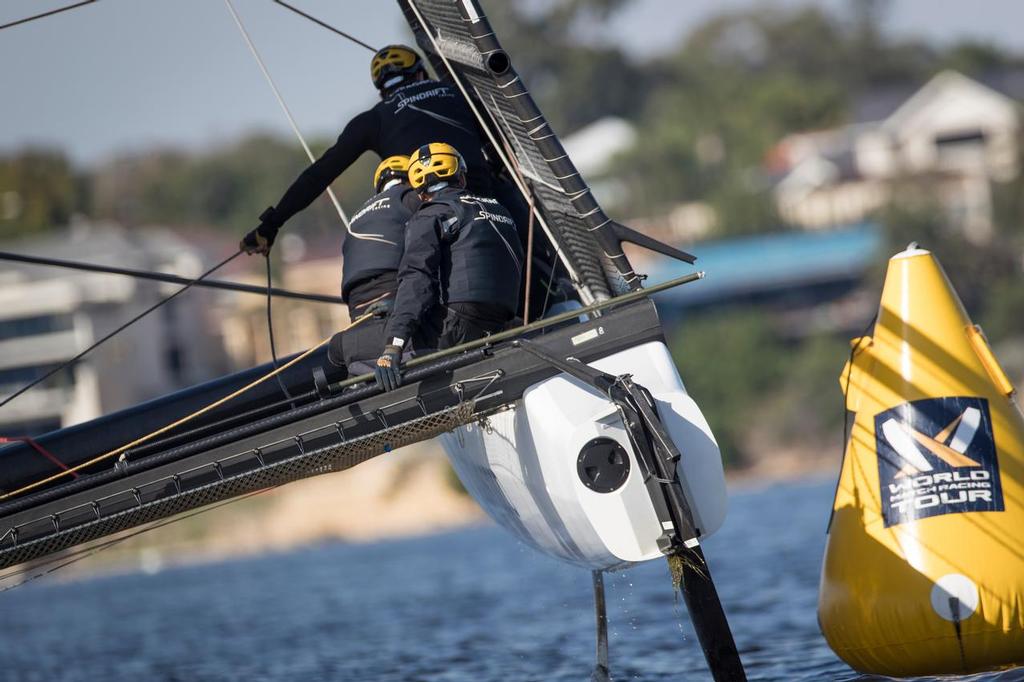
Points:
(183, 420)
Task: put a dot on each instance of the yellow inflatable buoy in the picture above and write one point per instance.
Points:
(924, 567)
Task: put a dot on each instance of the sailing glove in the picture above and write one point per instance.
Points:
(262, 238)
(386, 371)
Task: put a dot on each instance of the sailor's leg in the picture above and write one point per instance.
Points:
(465, 322)
(358, 347)
(601, 673)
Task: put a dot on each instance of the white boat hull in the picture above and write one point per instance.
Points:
(522, 465)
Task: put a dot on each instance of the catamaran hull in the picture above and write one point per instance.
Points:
(558, 471)
(322, 434)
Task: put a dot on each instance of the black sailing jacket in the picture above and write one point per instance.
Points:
(409, 117)
(377, 237)
(459, 248)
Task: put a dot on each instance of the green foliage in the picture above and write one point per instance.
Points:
(747, 79)
(576, 81)
(729, 361)
(975, 268)
(758, 390)
(226, 187)
(38, 190)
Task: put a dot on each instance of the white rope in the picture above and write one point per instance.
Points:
(291, 119)
(520, 183)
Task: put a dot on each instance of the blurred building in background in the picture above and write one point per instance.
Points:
(954, 135)
(312, 266)
(48, 314)
(810, 281)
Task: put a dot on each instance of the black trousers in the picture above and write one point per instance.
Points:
(465, 322)
(359, 347)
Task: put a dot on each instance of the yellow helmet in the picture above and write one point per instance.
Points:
(393, 167)
(393, 60)
(434, 162)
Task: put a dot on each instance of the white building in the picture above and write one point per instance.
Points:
(47, 315)
(957, 133)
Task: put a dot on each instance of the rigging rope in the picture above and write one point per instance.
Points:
(855, 350)
(284, 107)
(68, 363)
(170, 279)
(529, 264)
(529, 236)
(179, 422)
(341, 33)
(46, 14)
(270, 333)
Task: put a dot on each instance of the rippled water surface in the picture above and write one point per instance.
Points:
(468, 606)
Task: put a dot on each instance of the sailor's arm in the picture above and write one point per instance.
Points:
(358, 136)
(417, 276)
(417, 293)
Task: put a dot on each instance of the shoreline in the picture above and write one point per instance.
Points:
(304, 514)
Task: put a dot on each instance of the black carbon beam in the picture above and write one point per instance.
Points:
(77, 444)
(658, 457)
(601, 672)
(169, 279)
(327, 434)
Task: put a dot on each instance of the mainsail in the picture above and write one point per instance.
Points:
(460, 43)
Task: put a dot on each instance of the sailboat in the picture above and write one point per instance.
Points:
(574, 431)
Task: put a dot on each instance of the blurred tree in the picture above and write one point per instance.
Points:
(979, 59)
(575, 78)
(985, 274)
(39, 190)
(226, 187)
(743, 79)
(730, 361)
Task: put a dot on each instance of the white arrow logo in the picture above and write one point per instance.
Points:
(949, 444)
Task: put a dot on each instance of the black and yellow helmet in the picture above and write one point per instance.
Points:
(433, 163)
(394, 61)
(391, 168)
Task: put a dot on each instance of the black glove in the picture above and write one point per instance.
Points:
(262, 238)
(380, 309)
(386, 371)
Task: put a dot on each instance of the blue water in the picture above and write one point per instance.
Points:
(470, 606)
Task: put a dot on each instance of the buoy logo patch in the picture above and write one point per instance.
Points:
(937, 456)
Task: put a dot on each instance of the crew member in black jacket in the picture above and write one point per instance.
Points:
(463, 263)
(371, 253)
(413, 111)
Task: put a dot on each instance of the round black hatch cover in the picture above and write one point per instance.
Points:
(603, 465)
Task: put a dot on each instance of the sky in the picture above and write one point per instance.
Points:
(122, 75)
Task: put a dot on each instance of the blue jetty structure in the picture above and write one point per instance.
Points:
(809, 267)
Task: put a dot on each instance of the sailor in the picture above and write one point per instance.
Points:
(371, 253)
(413, 111)
(463, 263)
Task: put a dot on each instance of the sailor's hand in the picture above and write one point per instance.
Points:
(262, 238)
(386, 371)
(259, 240)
